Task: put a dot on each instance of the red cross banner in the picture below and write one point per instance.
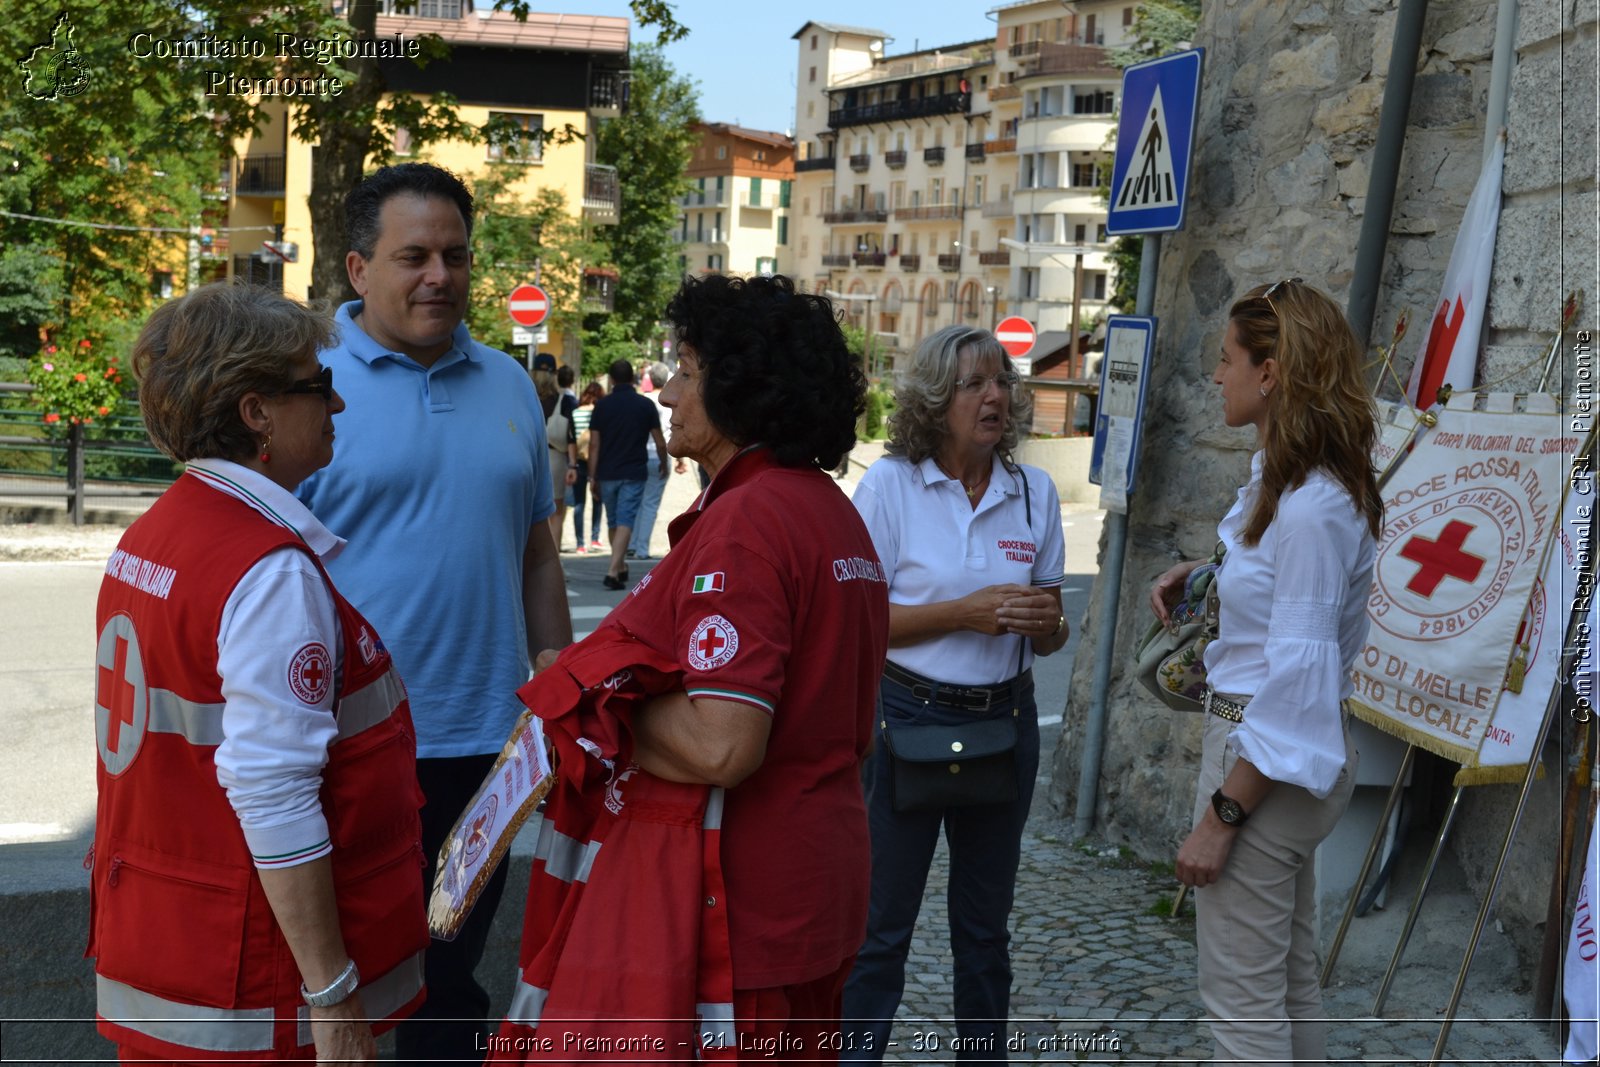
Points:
(1397, 425)
(1468, 516)
(510, 793)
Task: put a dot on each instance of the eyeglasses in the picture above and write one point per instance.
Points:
(1274, 287)
(321, 385)
(977, 384)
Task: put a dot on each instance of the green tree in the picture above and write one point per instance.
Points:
(608, 342)
(516, 240)
(1159, 27)
(650, 146)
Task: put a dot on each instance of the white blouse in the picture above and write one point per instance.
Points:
(1294, 618)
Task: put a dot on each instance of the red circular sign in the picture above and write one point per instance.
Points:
(528, 305)
(1016, 335)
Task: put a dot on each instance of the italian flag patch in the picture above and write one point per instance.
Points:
(708, 583)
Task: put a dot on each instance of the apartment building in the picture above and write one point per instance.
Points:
(961, 184)
(735, 219)
(548, 72)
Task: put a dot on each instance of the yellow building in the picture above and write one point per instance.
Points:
(735, 219)
(547, 73)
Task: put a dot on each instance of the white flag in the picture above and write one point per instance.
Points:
(1450, 350)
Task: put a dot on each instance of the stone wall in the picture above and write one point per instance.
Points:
(1288, 118)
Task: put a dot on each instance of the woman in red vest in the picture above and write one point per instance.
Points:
(256, 889)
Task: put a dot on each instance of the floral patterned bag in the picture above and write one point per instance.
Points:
(1170, 659)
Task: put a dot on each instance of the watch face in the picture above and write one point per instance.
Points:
(1228, 809)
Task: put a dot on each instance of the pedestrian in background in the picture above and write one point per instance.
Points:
(256, 836)
(623, 421)
(559, 436)
(1277, 765)
(581, 415)
(656, 472)
(442, 484)
(973, 549)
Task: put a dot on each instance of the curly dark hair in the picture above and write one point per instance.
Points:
(774, 365)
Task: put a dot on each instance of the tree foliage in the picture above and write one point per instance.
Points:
(650, 146)
(608, 342)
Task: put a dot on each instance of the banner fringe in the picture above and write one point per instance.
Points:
(1504, 774)
(1409, 734)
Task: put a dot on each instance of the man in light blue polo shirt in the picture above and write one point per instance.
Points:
(441, 483)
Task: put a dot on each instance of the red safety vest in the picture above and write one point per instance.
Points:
(187, 953)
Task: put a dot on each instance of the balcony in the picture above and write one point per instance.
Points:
(608, 93)
(835, 259)
(933, 155)
(222, 188)
(998, 93)
(816, 163)
(1069, 59)
(602, 194)
(910, 264)
(1001, 258)
(767, 202)
(704, 198)
(895, 159)
(214, 246)
(929, 212)
(941, 104)
(260, 176)
(951, 262)
(599, 289)
(870, 259)
(975, 153)
(1024, 48)
(856, 216)
(1001, 145)
(997, 209)
(860, 162)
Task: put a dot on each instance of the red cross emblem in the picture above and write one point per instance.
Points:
(308, 673)
(120, 699)
(713, 643)
(1441, 558)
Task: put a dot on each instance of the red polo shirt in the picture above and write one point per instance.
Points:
(772, 595)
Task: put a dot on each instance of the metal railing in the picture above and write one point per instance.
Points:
(860, 161)
(602, 193)
(928, 212)
(950, 261)
(870, 259)
(260, 176)
(896, 158)
(849, 215)
(933, 155)
(975, 152)
(816, 163)
(939, 104)
(911, 263)
(835, 259)
(1001, 258)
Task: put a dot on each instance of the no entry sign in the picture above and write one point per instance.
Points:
(528, 305)
(1016, 335)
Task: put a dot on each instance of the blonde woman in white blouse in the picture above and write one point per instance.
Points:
(1278, 766)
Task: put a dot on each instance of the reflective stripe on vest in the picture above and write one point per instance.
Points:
(201, 724)
(380, 998)
(565, 857)
(717, 1030)
(238, 1029)
(527, 1003)
(371, 704)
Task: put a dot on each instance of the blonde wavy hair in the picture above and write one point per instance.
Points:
(1320, 414)
(917, 427)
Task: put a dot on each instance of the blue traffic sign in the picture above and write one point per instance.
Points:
(1155, 144)
(1119, 420)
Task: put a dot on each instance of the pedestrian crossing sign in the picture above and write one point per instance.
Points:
(1155, 144)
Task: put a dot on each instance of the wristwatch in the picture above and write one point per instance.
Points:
(1228, 809)
(337, 992)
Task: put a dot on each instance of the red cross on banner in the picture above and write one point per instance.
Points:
(1441, 558)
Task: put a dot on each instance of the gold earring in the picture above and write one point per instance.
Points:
(266, 448)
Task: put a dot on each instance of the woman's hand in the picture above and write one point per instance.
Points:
(1031, 613)
(979, 611)
(342, 1034)
(1168, 588)
(1204, 852)
(572, 473)
(544, 659)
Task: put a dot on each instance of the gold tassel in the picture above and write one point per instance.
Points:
(1517, 673)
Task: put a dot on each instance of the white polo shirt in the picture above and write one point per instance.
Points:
(935, 546)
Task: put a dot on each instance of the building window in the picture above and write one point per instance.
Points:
(1100, 233)
(1094, 284)
(1030, 283)
(1080, 233)
(805, 245)
(1083, 174)
(783, 229)
(783, 193)
(1127, 18)
(526, 145)
(811, 109)
(812, 77)
(161, 284)
(424, 9)
(722, 151)
(1096, 102)
(813, 42)
(714, 261)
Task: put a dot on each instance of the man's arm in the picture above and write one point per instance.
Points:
(594, 461)
(544, 593)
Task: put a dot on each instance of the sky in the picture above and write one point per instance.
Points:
(741, 53)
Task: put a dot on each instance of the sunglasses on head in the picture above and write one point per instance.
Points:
(321, 385)
(1274, 287)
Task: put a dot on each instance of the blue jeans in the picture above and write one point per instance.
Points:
(654, 485)
(621, 498)
(580, 496)
(985, 847)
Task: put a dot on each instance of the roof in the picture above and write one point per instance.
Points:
(834, 27)
(501, 29)
(919, 64)
(777, 140)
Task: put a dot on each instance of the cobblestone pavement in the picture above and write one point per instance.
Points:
(1100, 975)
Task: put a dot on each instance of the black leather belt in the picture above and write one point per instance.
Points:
(964, 697)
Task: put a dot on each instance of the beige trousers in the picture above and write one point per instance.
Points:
(1255, 925)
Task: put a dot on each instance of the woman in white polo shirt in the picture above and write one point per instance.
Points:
(972, 547)
(1277, 765)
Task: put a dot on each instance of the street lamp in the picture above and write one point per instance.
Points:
(994, 305)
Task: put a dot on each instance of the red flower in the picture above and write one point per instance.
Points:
(50, 349)
(86, 420)
(80, 377)
(52, 417)
(110, 372)
(85, 344)
(104, 410)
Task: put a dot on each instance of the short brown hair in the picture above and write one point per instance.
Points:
(199, 354)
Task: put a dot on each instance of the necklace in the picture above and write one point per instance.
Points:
(971, 490)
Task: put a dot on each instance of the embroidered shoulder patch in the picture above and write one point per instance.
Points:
(713, 643)
(311, 673)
